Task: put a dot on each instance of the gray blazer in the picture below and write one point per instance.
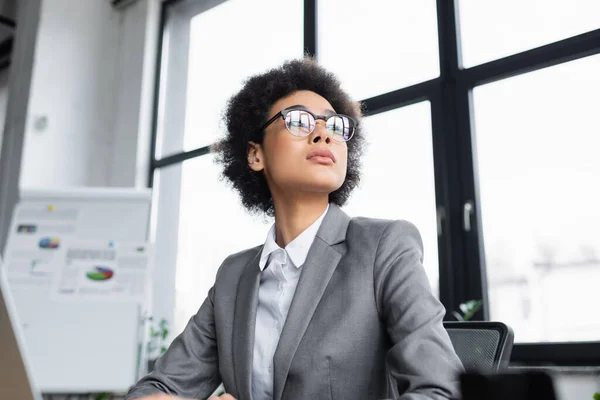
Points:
(363, 324)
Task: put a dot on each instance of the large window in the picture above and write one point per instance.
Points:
(500, 28)
(482, 129)
(209, 48)
(212, 225)
(244, 46)
(377, 46)
(539, 175)
(397, 181)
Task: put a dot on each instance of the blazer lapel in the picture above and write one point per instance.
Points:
(316, 272)
(243, 326)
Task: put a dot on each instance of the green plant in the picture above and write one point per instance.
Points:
(468, 309)
(596, 396)
(157, 344)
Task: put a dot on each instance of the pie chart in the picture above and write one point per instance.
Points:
(100, 274)
(49, 243)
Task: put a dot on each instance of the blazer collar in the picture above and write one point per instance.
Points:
(334, 226)
(297, 249)
(321, 262)
(323, 258)
(244, 323)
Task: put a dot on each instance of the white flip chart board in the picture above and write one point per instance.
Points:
(76, 346)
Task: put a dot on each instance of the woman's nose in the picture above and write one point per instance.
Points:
(321, 133)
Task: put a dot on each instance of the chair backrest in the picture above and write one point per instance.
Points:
(481, 346)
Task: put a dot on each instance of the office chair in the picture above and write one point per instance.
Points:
(481, 346)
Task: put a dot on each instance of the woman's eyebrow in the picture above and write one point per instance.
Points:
(327, 111)
(297, 106)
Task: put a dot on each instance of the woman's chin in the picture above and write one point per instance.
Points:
(320, 187)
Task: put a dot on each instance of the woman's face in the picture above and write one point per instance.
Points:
(288, 162)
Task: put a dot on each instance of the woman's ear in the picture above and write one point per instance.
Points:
(255, 157)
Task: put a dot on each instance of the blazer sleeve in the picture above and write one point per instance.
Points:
(189, 368)
(422, 363)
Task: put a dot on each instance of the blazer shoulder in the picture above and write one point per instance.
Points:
(385, 234)
(244, 255)
(235, 263)
(394, 226)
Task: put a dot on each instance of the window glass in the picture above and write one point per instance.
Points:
(539, 175)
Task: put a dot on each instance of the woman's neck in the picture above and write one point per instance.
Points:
(293, 216)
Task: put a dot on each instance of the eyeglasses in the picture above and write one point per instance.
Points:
(301, 122)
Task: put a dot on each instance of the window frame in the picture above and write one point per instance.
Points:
(462, 274)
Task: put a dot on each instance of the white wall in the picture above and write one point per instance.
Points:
(135, 99)
(83, 119)
(73, 88)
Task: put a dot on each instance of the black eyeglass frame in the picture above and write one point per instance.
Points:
(284, 113)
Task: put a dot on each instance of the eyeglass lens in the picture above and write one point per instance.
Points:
(302, 123)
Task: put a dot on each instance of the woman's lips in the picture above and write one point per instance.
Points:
(321, 156)
(322, 160)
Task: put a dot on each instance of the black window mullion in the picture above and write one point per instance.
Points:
(565, 50)
(461, 274)
(157, 94)
(445, 167)
(400, 98)
(310, 27)
(181, 157)
(474, 269)
(565, 354)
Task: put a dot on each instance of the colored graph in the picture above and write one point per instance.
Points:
(49, 243)
(100, 274)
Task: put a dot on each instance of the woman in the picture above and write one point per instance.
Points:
(329, 307)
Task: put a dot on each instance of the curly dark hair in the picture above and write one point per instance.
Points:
(248, 110)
